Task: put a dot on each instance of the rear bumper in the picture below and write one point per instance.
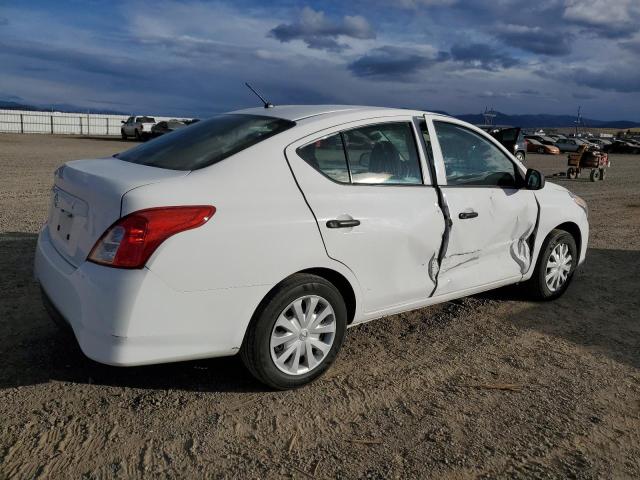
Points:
(131, 317)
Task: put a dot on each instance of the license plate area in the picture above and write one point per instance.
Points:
(67, 222)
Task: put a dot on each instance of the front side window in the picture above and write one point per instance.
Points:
(376, 154)
(470, 159)
(207, 142)
(383, 153)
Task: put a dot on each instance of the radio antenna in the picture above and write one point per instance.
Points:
(265, 102)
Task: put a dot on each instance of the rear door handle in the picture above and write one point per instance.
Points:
(465, 215)
(343, 223)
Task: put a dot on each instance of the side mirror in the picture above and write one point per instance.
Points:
(534, 180)
(122, 121)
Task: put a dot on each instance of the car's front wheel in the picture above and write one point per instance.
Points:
(555, 266)
(520, 156)
(296, 333)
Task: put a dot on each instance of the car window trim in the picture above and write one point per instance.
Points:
(487, 137)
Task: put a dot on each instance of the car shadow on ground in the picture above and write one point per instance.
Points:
(598, 311)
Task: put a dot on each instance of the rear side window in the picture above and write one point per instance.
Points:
(384, 153)
(206, 142)
(327, 155)
(376, 154)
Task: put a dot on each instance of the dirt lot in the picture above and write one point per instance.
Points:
(409, 396)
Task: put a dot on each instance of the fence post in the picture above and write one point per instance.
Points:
(107, 120)
(88, 125)
(80, 125)
(21, 123)
(51, 118)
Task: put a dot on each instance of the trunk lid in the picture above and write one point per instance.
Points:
(86, 200)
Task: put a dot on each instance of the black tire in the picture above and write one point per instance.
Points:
(123, 135)
(255, 351)
(536, 286)
(540, 149)
(520, 156)
(571, 173)
(138, 135)
(595, 175)
(603, 173)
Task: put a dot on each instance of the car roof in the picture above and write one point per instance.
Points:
(300, 112)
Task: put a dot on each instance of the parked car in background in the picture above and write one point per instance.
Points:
(137, 127)
(166, 126)
(267, 232)
(545, 140)
(622, 146)
(510, 137)
(536, 146)
(569, 144)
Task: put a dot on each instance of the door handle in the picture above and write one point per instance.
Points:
(465, 215)
(343, 223)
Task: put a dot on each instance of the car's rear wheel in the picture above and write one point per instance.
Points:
(296, 333)
(138, 135)
(540, 149)
(595, 175)
(555, 266)
(123, 135)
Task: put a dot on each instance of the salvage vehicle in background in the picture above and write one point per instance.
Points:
(166, 126)
(137, 127)
(536, 146)
(268, 231)
(510, 137)
(622, 146)
(569, 144)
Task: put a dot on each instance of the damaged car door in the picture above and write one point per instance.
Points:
(491, 217)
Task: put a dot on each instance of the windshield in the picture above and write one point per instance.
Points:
(206, 142)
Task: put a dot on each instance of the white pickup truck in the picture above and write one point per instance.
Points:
(138, 127)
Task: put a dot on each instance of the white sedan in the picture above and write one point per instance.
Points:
(269, 231)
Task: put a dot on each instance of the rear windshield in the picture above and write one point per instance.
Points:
(205, 143)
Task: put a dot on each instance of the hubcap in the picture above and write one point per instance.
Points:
(558, 267)
(303, 335)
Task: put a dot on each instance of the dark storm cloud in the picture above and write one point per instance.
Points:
(393, 63)
(536, 39)
(632, 46)
(624, 80)
(84, 62)
(322, 33)
(483, 56)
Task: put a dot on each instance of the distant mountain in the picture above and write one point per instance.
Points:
(56, 107)
(549, 121)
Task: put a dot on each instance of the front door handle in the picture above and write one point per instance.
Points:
(465, 215)
(343, 223)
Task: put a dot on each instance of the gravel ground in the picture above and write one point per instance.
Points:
(488, 386)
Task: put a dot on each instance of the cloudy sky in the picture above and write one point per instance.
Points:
(191, 57)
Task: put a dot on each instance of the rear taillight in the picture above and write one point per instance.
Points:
(130, 241)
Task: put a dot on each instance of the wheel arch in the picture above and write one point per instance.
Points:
(335, 278)
(341, 283)
(574, 230)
